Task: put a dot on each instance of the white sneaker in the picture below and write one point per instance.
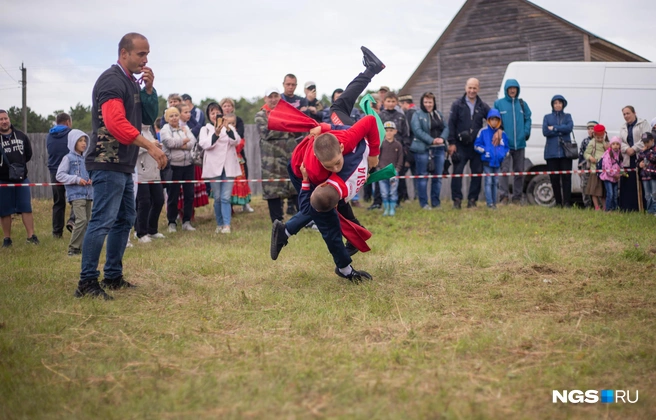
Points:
(129, 245)
(145, 239)
(248, 208)
(172, 227)
(218, 229)
(188, 227)
(157, 236)
(135, 236)
(225, 229)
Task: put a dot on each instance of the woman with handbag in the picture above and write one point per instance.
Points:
(429, 148)
(631, 134)
(557, 128)
(15, 152)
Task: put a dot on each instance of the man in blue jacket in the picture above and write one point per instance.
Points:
(57, 146)
(516, 123)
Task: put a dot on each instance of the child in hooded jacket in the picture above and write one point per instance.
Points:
(79, 192)
(611, 171)
(491, 155)
(647, 163)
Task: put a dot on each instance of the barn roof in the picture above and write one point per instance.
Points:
(595, 40)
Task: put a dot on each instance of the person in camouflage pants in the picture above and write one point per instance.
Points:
(276, 150)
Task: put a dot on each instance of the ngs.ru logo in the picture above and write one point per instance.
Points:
(592, 396)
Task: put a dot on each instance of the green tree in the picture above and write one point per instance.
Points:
(35, 122)
(81, 116)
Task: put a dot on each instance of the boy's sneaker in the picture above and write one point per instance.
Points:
(93, 290)
(145, 239)
(188, 227)
(7, 242)
(115, 284)
(33, 240)
(73, 252)
(173, 227)
(355, 276)
(371, 62)
(278, 239)
(157, 236)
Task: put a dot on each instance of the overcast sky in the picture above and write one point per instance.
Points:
(239, 48)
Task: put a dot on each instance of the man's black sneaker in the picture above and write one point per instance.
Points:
(33, 240)
(7, 242)
(93, 290)
(471, 203)
(351, 249)
(278, 239)
(355, 276)
(115, 284)
(70, 225)
(57, 235)
(374, 206)
(371, 62)
(72, 252)
(457, 204)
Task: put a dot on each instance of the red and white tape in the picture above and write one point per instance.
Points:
(203, 181)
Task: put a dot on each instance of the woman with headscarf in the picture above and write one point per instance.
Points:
(631, 133)
(557, 128)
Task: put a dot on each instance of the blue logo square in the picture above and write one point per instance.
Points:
(607, 396)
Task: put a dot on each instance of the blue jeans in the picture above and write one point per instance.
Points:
(222, 191)
(389, 189)
(611, 195)
(112, 217)
(650, 195)
(421, 168)
(491, 183)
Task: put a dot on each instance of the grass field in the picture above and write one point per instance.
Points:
(472, 314)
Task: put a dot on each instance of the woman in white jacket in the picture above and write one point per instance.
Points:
(177, 143)
(219, 139)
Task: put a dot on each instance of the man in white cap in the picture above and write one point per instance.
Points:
(276, 150)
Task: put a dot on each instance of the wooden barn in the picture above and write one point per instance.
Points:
(487, 35)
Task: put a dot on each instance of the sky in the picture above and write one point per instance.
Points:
(240, 48)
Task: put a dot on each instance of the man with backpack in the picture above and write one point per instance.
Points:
(516, 123)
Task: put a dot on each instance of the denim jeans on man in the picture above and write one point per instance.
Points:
(112, 216)
(222, 191)
(611, 195)
(421, 168)
(491, 185)
(650, 195)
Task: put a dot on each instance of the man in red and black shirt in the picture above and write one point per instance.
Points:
(119, 108)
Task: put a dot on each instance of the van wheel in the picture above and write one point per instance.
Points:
(539, 191)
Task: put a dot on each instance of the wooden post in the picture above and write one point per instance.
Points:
(24, 85)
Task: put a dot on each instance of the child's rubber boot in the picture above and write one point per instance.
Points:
(386, 204)
(392, 208)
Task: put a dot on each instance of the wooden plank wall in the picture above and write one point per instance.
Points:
(489, 36)
(38, 166)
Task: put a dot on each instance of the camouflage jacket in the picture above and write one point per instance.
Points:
(276, 150)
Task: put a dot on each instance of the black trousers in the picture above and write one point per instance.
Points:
(150, 200)
(180, 173)
(561, 184)
(343, 106)
(275, 209)
(467, 154)
(59, 206)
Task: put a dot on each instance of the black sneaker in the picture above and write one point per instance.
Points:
(93, 290)
(33, 240)
(457, 204)
(73, 252)
(374, 206)
(278, 239)
(371, 62)
(70, 225)
(471, 203)
(7, 242)
(115, 284)
(351, 249)
(57, 235)
(355, 276)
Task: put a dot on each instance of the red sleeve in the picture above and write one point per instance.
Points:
(366, 128)
(113, 113)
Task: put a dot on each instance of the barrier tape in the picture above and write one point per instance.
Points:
(203, 181)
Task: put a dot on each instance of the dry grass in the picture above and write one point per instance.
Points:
(472, 314)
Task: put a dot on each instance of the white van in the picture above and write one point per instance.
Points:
(595, 91)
